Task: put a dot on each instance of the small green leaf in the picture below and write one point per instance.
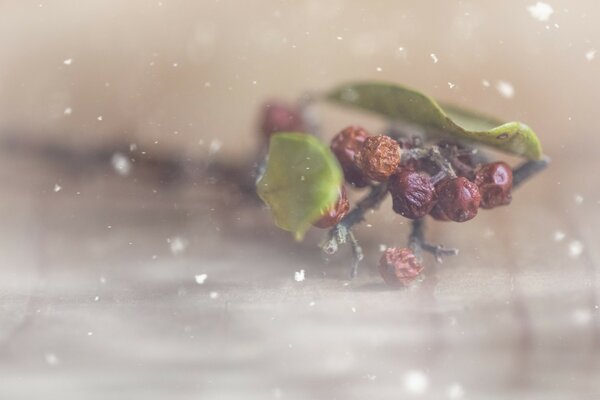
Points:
(302, 180)
(398, 103)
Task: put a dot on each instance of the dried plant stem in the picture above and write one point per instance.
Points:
(528, 169)
(418, 245)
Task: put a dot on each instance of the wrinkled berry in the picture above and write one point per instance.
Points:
(399, 266)
(458, 198)
(495, 183)
(378, 157)
(438, 214)
(345, 145)
(413, 194)
(335, 214)
(280, 117)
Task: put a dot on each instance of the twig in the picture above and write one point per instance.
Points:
(528, 169)
(417, 243)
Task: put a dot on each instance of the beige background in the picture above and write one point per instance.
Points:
(94, 303)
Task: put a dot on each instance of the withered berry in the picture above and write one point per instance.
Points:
(495, 183)
(413, 194)
(280, 117)
(345, 145)
(335, 214)
(399, 266)
(378, 157)
(438, 214)
(458, 198)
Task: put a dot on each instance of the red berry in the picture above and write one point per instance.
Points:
(458, 198)
(335, 214)
(378, 157)
(399, 266)
(413, 194)
(280, 117)
(345, 145)
(495, 183)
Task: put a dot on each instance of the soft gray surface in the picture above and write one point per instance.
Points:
(95, 312)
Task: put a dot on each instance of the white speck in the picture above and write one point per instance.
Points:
(215, 146)
(213, 295)
(68, 61)
(302, 178)
(90, 333)
(506, 89)
(121, 164)
(485, 83)
(97, 298)
(434, 58)
(177, 245)
(416, 382)
(400, 49)
(51, 359)
(455, 391)
(379, 69)
(254, 82)
(582, 317)
(488, 233)
(590, 55)
(175, 65)
(540, 11)
(559, 236)
(371, 377)
(154, 256)
(353, 309)
(299, 275)
(575, 248)
(68, 111)
(200, 279)
(311, 304)
(578, 199)
(451, 85)
(99, 118)
(339, 38)
(382, 248)
(207, 84)
(132, 147)
(277, 393)
(57, 188)
(102, 280)
(109, 226)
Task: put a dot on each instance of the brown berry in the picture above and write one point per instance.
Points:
(438, 214)
(458, 198)
(495, 183)
(413, 194)
(280, 117)
(335, 214)
(378, 157)
(345, 145)
(399, 266)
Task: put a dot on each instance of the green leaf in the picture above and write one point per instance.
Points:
(398, 103)
(302, 180)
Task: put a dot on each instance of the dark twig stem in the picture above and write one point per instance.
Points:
(418, 245)
(528, 169)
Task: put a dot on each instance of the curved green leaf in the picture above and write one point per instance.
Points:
(302, 179)
(398, 103)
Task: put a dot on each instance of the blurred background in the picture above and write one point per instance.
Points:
(132, 267)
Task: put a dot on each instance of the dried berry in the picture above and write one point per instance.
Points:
(438, 214)
(335, 214)
(399, 266)
(378, 157)
(345, 145)
(280, 117)
(495, 183)
(458, 198)
(413, 194)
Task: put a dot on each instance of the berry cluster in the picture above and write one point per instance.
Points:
(443, 181)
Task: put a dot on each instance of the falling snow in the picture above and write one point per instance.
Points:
(51, 359)
(582, 317)
(416, 382)
(434, 58)
(121, 164)
(68, 61)
(68, 111)
(214, 295)
(540, 11)
(200, 279)
(214, 147)
(559, 236)
(177, 244)
(505, 89)
(57, 188)
(590, 55)
(575, 248)
(578, 199)
(456, 391)
(299, 276)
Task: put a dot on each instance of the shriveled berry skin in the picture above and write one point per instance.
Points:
(345, 145)
(378, 157)
(399, 266)
(335, 214)
(438, 214)
(280, 117)
(413, 194)
(495, 183)
(458, 198)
